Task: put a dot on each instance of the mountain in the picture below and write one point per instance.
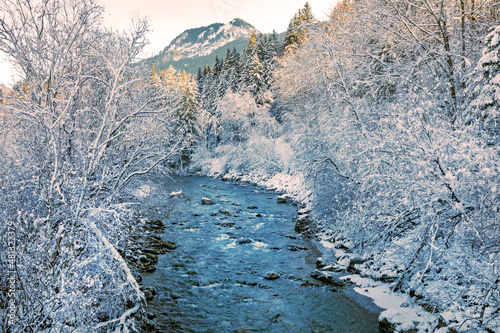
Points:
(195, 48)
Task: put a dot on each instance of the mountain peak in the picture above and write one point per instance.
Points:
(237, 22)
(204, 40)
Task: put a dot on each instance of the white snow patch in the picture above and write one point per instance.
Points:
(400, 308)
(176, 193)
(143, 191)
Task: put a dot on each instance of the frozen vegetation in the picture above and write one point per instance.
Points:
(384, 120)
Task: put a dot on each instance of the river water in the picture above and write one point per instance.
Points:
(215, 281)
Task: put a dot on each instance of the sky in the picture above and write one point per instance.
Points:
(169, 18)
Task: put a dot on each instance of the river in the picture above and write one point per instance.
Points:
(217, 279)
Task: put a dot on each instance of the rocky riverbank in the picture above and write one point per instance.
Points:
(141, 255)
(407, 311)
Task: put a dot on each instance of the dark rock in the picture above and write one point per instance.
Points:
(148, 326)
(244, 241)
(388, 279)
(258, 215)
(206, 201)
(152, 257)
(148, 269)
(303, 224)
(355, 261)
(170, 245)
(225, 212)
(344, 247)
(281, 199)
(307, 283)
(152, 251)
(320, 263)
(252, 207)
(148, 295)
(150, 315)
(157, 224)
(384, 326)
(296, 248)
(327, 278)
(271, 276)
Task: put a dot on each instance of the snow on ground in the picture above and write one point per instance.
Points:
(400, 309)
(143, 191)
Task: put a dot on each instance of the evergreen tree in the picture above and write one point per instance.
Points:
(252, 44)
(187, 109)
(297, 29)
(485, 106)
(232, 70)
(255, 73)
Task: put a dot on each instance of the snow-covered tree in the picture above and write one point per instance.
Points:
(485, 105)
(83, 122)
(298, 26)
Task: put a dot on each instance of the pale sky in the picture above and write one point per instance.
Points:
(169, 18)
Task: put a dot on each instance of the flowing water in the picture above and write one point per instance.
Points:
(215, 280)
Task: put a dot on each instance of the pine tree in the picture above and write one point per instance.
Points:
(255, 76)
(297, 29)
(232, 70)
(485, 106)
(187, 109)
(252, 44)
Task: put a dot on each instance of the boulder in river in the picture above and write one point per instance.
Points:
(206, 201)
(225, 212)
(281, 199)
(320, 263)
(303, 224)
(252, 207)
(326, 277)
(149, 292)
(296, 248)
(245, 241)
(271, 276)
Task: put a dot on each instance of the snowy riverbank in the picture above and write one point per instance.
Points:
(426, 307)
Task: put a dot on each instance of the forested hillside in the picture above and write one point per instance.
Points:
(384, 120)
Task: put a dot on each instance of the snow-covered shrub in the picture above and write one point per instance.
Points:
(82, 123)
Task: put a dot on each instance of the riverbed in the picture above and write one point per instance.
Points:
(240, 266)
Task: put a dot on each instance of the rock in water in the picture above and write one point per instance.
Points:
(281, 199)
(225, 212)
(271, 276)
(176, 194)
(320, 263)
(206, 201)
(325, 277)
(303, 224)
